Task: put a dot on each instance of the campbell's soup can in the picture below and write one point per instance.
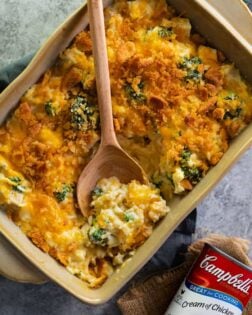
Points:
(216, 284)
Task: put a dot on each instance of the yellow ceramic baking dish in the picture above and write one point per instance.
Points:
(224, 31)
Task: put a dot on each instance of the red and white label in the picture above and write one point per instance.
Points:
(216, 284)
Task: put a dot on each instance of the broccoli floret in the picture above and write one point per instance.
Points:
(189, 63)
(185, 155)
(98, 236)
(19, 188)
(96, 192)
(137, 97)
(192, 173)
(236, 112)
(141, 85)
(17, 184)
(193, 75)
(84, 116)
(15, 179)
(165, 32)
(231, 97)
(231, 114)
(62, 194)
(129, 217)
(49, 109)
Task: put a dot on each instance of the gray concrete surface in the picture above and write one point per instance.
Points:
(24, 25)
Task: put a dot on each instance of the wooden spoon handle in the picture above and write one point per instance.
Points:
(97, 28)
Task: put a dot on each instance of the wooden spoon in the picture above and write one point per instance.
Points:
(110, 159)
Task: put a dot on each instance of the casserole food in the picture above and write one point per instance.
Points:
(174, 212)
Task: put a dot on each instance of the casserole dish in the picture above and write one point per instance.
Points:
(180, 206)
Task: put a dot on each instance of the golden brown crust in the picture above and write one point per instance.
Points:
(83, 42)
(214, 76)
(71, 78)
(38, 239)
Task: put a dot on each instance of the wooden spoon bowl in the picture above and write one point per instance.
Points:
(110, 159)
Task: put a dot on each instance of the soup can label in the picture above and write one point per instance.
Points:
(216, 284)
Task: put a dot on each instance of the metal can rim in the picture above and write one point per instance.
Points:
(229, 257)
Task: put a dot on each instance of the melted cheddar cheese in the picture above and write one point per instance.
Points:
(177, 103)
(122, 216)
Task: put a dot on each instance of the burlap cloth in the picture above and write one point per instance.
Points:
(153, 295)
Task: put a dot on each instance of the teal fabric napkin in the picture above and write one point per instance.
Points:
(10, 72)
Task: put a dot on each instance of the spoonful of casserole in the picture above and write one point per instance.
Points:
(110, 159)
